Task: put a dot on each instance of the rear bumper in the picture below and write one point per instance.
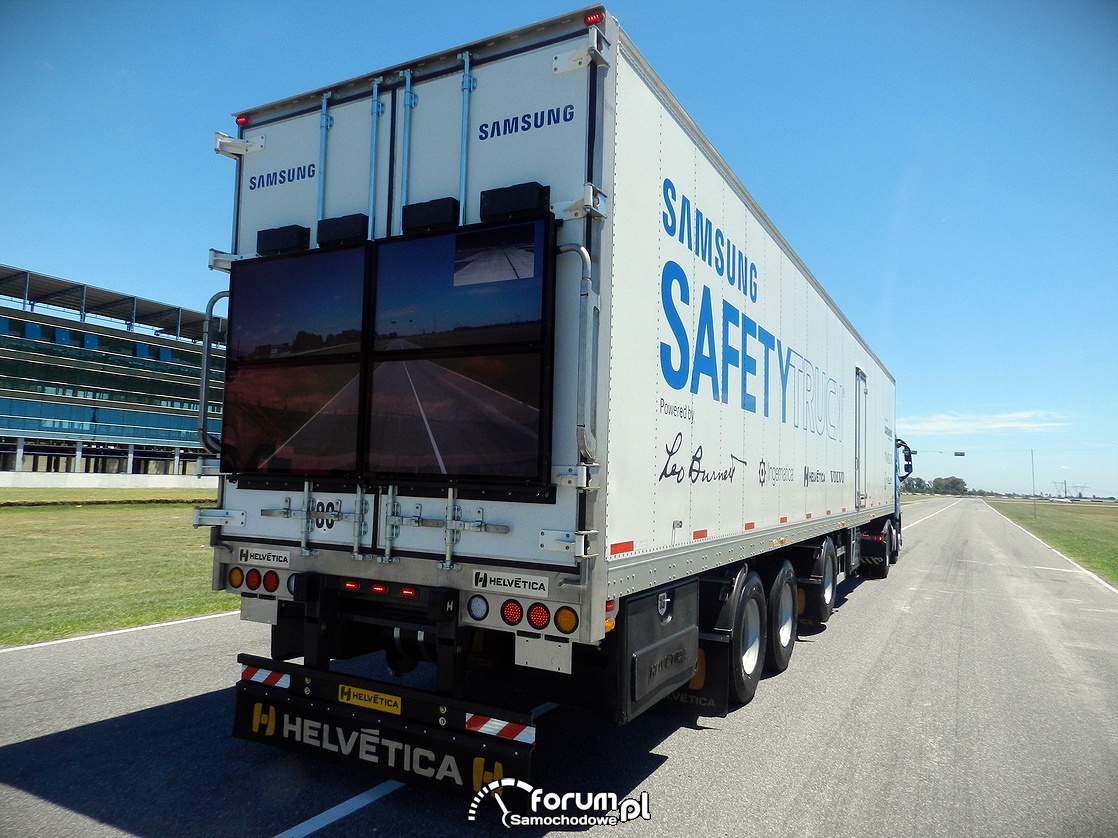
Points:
(408, 734)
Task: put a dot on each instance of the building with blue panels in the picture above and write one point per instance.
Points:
(99, 382)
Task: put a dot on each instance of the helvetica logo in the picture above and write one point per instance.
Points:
(265, 719)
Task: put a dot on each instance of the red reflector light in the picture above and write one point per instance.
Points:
(252, 579)
(538, 616)
(242, 120)
(512, 612)
(379, 588)
(351, 585)
(594, 19)
(271, 581)
(409, 592)
(610, 605)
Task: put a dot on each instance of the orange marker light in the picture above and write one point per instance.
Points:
(566, 620)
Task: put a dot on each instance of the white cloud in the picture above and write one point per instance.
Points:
(978, 423)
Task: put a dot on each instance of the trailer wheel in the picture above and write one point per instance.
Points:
(747, 640)
(781, 619)
(821, 602)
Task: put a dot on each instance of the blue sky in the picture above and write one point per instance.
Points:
(948, 170)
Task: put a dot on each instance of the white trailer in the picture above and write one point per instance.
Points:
(521, 381)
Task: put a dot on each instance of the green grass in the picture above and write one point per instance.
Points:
(1085, 532)
(23, 497)
(77, 569)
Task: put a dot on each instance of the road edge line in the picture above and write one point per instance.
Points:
(62, 640)
(1082, 569)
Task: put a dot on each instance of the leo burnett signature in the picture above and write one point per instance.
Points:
(695, 471)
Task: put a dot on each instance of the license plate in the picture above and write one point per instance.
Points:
(370, 700)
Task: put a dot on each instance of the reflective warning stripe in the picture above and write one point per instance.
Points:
(500, 729)
(265, 677)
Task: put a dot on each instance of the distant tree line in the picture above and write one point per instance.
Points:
(958, 486)
(938, 486)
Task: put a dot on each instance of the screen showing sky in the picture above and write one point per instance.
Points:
(308, 305)
(481, 287)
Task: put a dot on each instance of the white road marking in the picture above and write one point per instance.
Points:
(1082, 569)
(906, 524)
(120, 631)
(426, 424)
(342, 810)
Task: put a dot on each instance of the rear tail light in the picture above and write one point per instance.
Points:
(271, 581)
(538, 616)
(236, 577)
(253, 579)
(512, 612)
(351, 585)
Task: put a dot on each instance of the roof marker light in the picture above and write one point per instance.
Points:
(242, 120)
(594, 18)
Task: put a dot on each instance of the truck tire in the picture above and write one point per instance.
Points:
(747, 640)
(820, 602)
(895, 546)
(782, 622)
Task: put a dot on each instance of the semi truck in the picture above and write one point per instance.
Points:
(526, 403)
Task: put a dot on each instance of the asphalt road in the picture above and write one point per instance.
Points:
(973, 692)
(429, 418)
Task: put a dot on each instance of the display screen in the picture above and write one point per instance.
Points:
(419, 358)
(304, 306)
(476, 416)
(291, 418)
(458, 385)
(481, 287)
(293, 380)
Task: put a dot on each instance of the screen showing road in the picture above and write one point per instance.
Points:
(452, 384)
(291, 418)
(457, 386)
(292, 389)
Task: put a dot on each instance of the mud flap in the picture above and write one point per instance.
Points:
(409, 735)
(708, 692)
